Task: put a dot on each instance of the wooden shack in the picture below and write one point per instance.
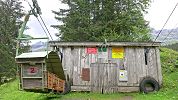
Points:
(110, 67)
(41, 71)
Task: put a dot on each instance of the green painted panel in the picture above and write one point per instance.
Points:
(102, 49)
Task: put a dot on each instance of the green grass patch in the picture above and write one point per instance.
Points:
(10, 91)
(169, 91)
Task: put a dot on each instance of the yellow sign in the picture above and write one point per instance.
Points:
(117, 52)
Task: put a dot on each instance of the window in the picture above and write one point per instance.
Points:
(146, 51)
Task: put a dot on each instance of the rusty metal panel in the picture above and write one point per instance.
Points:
(86, 74)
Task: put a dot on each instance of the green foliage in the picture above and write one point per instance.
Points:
(173, 46)
(96, 20)
(169, 60)
(10, 13)
(7, 62)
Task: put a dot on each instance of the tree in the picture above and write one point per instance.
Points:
(10, 14)
(96, 20)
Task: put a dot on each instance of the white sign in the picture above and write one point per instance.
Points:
(123, 75)
(102, 54)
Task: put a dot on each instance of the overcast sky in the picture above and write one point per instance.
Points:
(46, 7)
(157, 15)
(159, 12)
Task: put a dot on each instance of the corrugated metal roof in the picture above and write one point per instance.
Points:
(34, 54)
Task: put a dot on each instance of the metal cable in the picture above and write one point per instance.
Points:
(45, 26)
(169, 33)
(162, 30)
(165, 24)
(37, 18)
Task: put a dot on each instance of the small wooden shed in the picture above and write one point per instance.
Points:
(41, 71)
(109, 67)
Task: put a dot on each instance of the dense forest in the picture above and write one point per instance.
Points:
(10, 14)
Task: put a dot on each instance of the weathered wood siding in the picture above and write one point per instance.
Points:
(104, 72)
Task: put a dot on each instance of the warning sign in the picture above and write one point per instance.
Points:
(117, 53)
(91, 50)
(123, 75)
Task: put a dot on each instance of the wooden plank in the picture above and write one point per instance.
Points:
(96, 44)
(140, 64)
(106, 78)
(103, 77)
(83, 64)
(152, 67)
(94, 78)
(131, 65)
(32, 83)
(155, 69)
(75, 70)
(126, 89)
(114, 76)
(67, 61)
(80, 88)
(158, 66)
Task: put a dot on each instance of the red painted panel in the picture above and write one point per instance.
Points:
(92, 50)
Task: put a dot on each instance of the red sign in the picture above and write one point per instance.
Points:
(32, 70)
(92, 50)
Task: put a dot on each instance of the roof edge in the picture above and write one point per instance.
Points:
(65, 44)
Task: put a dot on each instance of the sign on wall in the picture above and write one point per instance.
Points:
(102, 53)
(102, 49)
(32, 70)
(118, 52)
(85, 74)
(91, 50)
(123, 75)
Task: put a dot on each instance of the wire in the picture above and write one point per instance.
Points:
(152, 53)
(165, 24)
(169, 33)
(40, 22)
(163, 28)
(42, 26)
(46, 27)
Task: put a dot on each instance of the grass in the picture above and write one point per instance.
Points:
(9, 91)
(169, 90)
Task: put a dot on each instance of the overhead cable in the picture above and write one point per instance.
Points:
(165, 23)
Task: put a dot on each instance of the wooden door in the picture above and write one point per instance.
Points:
(103, 77)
